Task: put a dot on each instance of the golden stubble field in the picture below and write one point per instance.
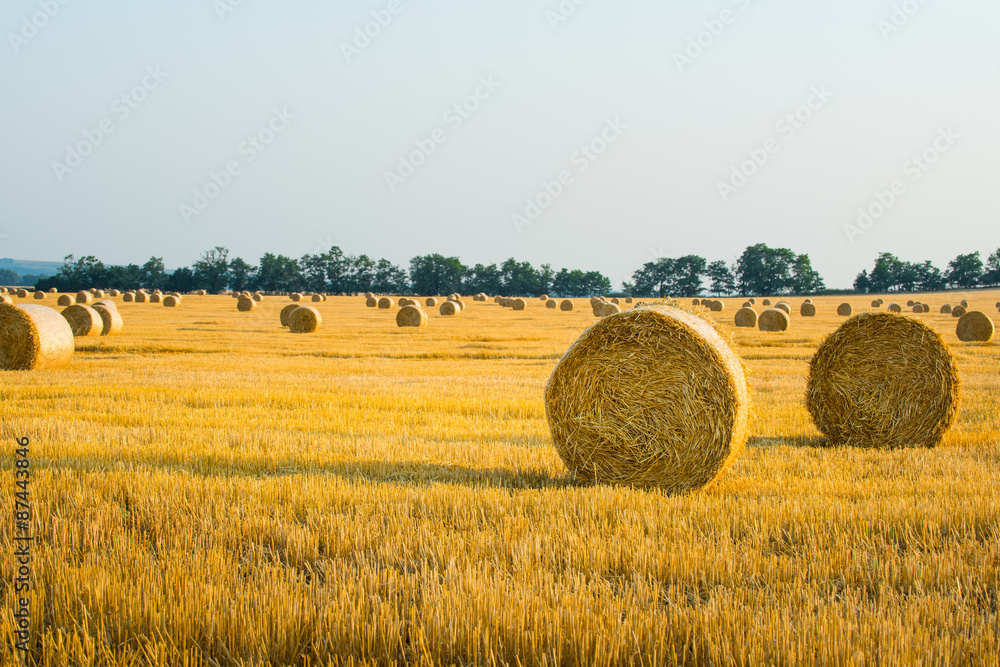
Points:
(211, 489)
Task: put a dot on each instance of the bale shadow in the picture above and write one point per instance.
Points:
(815, 441)
(422, 473)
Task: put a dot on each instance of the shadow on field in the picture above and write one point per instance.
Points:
(816, 441)
(428, 473)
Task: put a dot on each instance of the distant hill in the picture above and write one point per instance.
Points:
(23, 267)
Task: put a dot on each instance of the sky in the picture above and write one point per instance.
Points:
(585, 134)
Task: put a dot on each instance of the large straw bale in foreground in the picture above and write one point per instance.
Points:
(652, 397)
(34, 337)
(411, 316)
(975, 327)
(883, 381)
(83, 320)
(304, 319)
(5, 299)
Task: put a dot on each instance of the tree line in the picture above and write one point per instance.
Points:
(759, 271)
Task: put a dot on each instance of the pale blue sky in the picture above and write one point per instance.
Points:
(655, 189)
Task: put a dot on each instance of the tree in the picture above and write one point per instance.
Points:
(486, 279)
(929, 277)
(211, 272)
(362, 274)
(436, 274)
(862, 283)
(805, 279)
(8, 277)
(723, 280)
(240, 274)
(545, 277)
(761, 270)
(965, 271)
(389, 278)
(991, 276)
(689, 270)
(655, 279)
(181, 280)
(519, 278)
(277, 273)
(885, 274)
(154, 276)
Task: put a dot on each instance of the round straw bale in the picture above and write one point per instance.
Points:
(22, 294)
(883, 381)
(316, 298)
(881, 301)
(773, 319)
(746, 317)
(34, 337)
(594, 301)
(497, 299)
(296, 297)
(895, 308)
(156, 297)
(964, 303)
(98, 293)
(544, 297)
(946, 309)
(752, 301)
(258, 297)
(628, 299)
(717, 306)
(975, 327)
(304, 319)
(83, 320)
(652, 397)
(105, 303)
(552, 303)
(403, 301)
(5, 299)
(127, 297)
(200, 292)
(111, 320)
(411, 316)
(909, 303)
(171, 301)
(386, 303)
(84, 297)
(286, 312)
(605, 309)
(998, 304)
(615, 300)
(808, 310)
(958, 311)
(369, 295)
(39, 295)
(766, 302)
(844, 310)
(53, 290)
(808, 301)
(876, 304)
(66, 300)
(565, 305)
(781, 305)
(918, 308)
(747, 304)
(926, 307)
(430, 302)
(519, 304)
(371, 302)
(695, 302)
(246, 304)
(449, 308)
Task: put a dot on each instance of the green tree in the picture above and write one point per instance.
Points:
(277, 273)
(154, 276)
(519, 278)
(362, 274)
(181, 280)
(389, 278)
(991, 275)
(885, 275)
(805, 279)
(761, 270)
(483, 278)
(436, 274)
(965, 271)
(240, 274)
(862, 283)
(723, 280)
(8, 277)
(211, 272)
